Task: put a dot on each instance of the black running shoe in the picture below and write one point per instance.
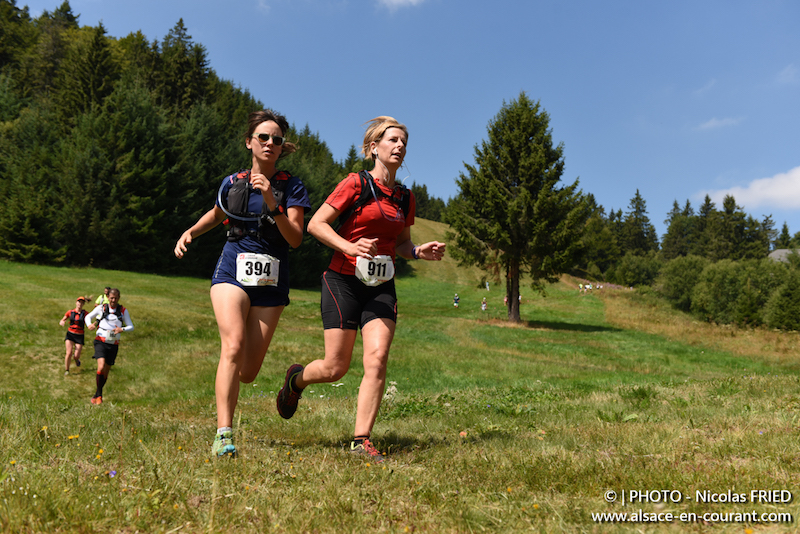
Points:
(288, 397)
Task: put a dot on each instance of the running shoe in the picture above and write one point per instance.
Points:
(66, 373)
(288, 397)
(97, 400)
(77, 362)
(223, 445)
(366, 449)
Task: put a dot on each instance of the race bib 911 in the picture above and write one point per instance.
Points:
(375, 271)
(257, 269)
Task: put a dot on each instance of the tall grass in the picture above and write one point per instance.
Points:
(487, 426)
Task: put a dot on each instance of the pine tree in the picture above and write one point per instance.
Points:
(87, 73)
(784, 240)
(510, 214)
(183, 70)
(638, 234)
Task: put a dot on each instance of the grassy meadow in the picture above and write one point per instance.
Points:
(487, 426)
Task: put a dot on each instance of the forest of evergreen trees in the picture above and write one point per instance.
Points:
(111, 147)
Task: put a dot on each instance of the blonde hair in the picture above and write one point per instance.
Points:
(377, 127)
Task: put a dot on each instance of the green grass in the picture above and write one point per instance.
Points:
(488, 426)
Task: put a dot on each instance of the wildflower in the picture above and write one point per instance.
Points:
(13, 462)
(535, 506)
(463, 433)
(112, 474)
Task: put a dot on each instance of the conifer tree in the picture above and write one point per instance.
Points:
(784, 240)
(87, 73)
(638, 233)
(510, 213)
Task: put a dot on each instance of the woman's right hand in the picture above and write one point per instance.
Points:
(180, 246)
(365, 247)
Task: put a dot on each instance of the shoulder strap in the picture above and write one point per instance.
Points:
(365, 195)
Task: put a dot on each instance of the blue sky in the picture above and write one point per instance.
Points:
(676, 99)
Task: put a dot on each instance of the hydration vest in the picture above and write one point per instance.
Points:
(76, 318)
(401, 199)
(120, 312)
(239, 201)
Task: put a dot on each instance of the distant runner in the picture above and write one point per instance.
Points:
(74, 337)
(114, 319)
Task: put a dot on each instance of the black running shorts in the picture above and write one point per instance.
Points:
(105, 350)
(75, 338)
(347, 303)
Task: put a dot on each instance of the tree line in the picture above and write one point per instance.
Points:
(110, 147)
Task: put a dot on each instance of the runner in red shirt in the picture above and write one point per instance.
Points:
(358, 287)
(74, 338)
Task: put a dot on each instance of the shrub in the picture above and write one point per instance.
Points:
(636, 270)
(677, 279)
(783, 308)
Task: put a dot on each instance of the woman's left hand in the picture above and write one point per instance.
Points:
(431, 251)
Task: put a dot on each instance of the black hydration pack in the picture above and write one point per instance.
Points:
(369, 192)
(120, 312)
(238, 202)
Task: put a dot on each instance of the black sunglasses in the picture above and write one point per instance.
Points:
(264, 137)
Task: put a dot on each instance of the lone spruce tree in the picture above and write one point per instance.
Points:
(510, 216)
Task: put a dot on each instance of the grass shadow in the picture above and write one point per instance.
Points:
(572, 327)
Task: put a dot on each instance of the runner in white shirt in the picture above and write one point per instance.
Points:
(114, 319)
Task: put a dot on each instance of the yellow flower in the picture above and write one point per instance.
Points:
(100, 451)
(13, 462)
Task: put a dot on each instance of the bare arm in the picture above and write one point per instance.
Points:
(320, 227)
(291, 225)
(431, 251)
(209, 220)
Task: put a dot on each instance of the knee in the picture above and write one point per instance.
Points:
(332, 373)
(375, 367)
(232, 351)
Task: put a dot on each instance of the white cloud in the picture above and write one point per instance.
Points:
(789, 76)
(715, 123)
(781, 191)
(706, 88)
(263, 6)
(397, 4)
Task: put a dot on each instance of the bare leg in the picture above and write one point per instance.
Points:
(245, 334)
(338, 352)
(378, 335)
(68, 357)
